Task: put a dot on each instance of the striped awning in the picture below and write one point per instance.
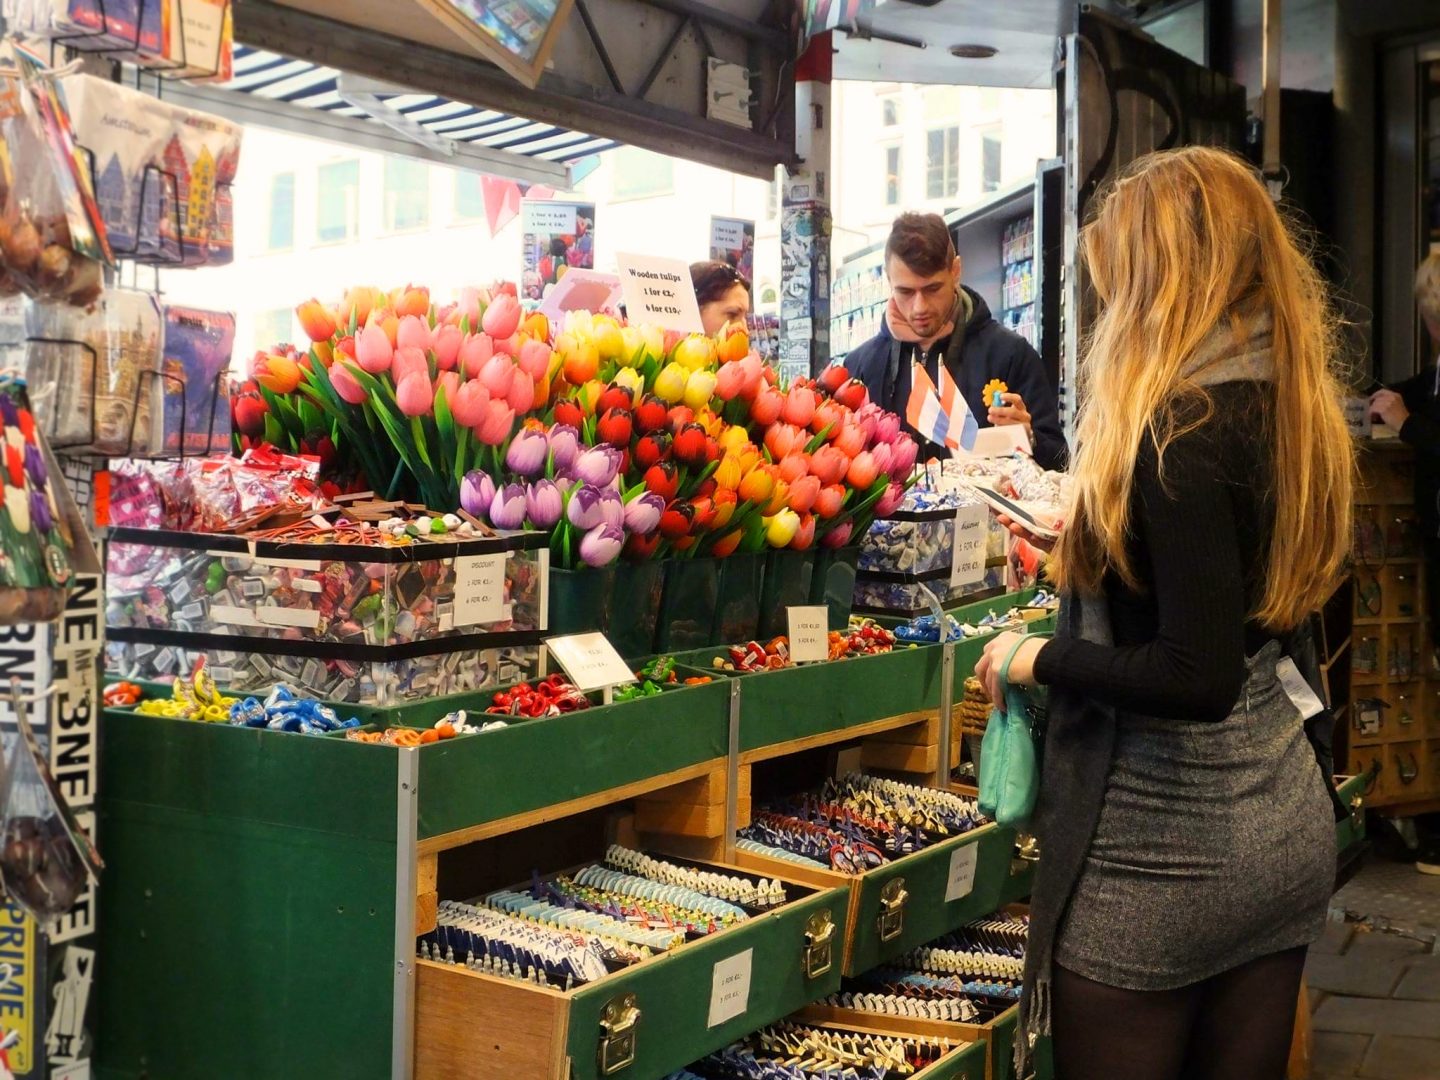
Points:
(304, 85)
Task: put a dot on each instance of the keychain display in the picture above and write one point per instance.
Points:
(573, 928)
(858, 823)
(791, 1051)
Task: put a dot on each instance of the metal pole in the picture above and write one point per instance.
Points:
(402, 1037)
(947, 697)
(1270, 98)
(732, 774)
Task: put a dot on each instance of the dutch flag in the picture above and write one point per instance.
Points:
(937, 414)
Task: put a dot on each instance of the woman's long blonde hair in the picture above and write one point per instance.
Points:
(1188, 243)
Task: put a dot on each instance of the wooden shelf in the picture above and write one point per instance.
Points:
(1408, 620)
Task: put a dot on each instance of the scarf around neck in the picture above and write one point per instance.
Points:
(900, 327)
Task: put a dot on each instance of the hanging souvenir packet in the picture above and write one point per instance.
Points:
(132, 28)
(198, 345)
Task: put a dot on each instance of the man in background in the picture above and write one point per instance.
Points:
(933, 319)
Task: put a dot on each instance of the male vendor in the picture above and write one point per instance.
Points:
(936, 320)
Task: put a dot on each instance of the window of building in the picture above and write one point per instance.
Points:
(639, 173)
(407, 194)
(281, 236)
(273, 328)
(892, 176)
(942, 163)
(469, 197)
(991, 149)
(890, 112)
(338, 202)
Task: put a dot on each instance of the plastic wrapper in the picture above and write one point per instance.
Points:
(198, 346)
(52, 241)
(95, 376)
(159, 171)
(213, 494)
(908, 599)
(46, 859)
(40, 533)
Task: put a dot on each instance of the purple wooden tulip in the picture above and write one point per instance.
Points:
(477, 491)
(601, 545)
(585, 510)
(613, 507)
(544, 504)
(642, 514)
(598, 465)
(507, 509)
(526, 456)
(564, 443)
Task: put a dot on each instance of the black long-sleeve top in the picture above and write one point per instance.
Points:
(1422, 431)
(1199, 546)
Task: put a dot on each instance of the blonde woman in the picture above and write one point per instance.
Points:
(1187, 834)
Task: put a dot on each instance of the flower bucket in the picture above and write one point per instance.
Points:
(687, 608)
(635, 606)
(833, 582)
(579, 600)
(737, 615)
(787, 584)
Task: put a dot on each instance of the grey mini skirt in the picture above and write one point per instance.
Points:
(1215, 845)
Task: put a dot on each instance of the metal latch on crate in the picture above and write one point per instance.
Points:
(1027, 849)
(618, 1022)
(819, 944)
(891, 922)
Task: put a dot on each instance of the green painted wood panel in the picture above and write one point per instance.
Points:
(673, 991)
(966, 1064)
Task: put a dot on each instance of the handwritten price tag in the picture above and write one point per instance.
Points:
(590, 661)
(730, 988)
(967, 558)
(479, 589)
(961, 879)
(809, 634)
(658, 290)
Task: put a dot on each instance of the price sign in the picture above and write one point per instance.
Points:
(967, 557)
(1357, 417)
(730, 988)
(961, 879)
(809, 634)
(590, 661)
(479, 589)
(658, 290)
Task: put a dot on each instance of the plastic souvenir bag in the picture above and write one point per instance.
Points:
(45, 857)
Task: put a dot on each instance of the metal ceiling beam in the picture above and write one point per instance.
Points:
(365, 134)
(559, 100)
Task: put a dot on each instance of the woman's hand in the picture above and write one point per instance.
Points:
(1389, 407)
(1016, 529)
(1022, 667)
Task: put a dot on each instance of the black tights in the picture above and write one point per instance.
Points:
(1234, 1026)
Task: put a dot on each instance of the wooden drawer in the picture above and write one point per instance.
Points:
(657, 1012)
(995, 1038)
(896, 907)
(966, 1062)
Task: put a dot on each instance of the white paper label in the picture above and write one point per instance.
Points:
(304, 618)
(307, 584)
(809, 634)
(479, 589)
(312, 565)
(967, 557)
(233, 616)
(1000, 441)
(590, 661)
(1357, 417)
(1298, 690)
(658, 290)
(730, 988)
(962, 872)
(728, 234)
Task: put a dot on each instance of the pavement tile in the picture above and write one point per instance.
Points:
(1338, 1054)
(1421, 981)
(1393, 1057)
(1377, 946)
(1354, 974)
(1361, 1015)
(1336, 937)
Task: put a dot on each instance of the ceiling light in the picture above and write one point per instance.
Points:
(973, 52)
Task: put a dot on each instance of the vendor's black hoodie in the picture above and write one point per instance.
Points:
(1422, 431)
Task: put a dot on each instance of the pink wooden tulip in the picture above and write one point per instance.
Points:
(413, 334)
(409, 361)
(502, 317)
(497, 375)
(783, 439)
(474, 352)
(522, 392)
(448, 381)
(471, 300)
(469, 404)
(347, 385)
(803, 493)
(510, 346)
(494, 429)
(373, 350)
(828, 415)
(830, 500)
(447, 342)
(903, 458)
(793, 466)
(884, 456)
(765, 409)
(850, 441)
(891, 500)
(829, 464)
(799, 406)
(805, 534)
(534, 359)
(838, 536)
(414, 394)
